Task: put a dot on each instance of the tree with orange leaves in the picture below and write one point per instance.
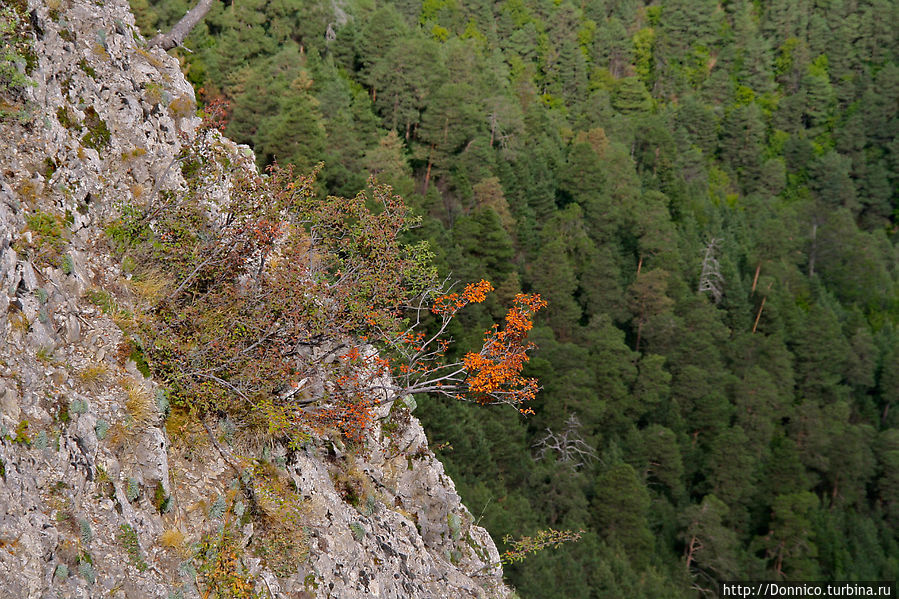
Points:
(304, 313)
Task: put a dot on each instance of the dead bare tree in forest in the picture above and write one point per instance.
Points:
(710, 278)
(568, 446)
(177, 34)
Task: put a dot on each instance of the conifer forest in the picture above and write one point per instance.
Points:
(706, 194)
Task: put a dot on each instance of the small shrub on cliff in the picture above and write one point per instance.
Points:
(98, 134)
(86, 569)
(542, 539)
(140, 404)
(17, 56)
(49, 237)
(61, 572)
(128, 538)
(358, 531)
(93, 374)
(220, 566)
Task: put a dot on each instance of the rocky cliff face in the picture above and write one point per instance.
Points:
(103, 495)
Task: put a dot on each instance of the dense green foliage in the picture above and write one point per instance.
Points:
(616, 158)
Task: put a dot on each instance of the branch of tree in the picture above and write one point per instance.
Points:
(176, 36)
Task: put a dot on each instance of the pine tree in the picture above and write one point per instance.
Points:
(620, 506)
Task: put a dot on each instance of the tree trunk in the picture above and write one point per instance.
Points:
(428, 173)
(755, 325)
(691, 549)
(814, 250)
(182, 28)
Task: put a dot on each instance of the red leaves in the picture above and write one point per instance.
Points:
(352, 417)
(215, 113)
(265, 231)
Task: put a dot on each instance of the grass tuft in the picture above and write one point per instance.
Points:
(46, 355)
(151, 285)
(173, 538)
(94, 374)
(140, 404)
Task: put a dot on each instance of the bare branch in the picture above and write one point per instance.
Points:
(568, 445)
(175, 37)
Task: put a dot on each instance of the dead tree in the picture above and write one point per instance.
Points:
(568, 446)
(175, 37)
(710, 278)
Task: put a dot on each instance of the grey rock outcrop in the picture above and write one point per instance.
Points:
(100, 495)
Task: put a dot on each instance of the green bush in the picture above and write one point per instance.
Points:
(68, 265)
(49, 237)
(133, 489)
(98, 135)
(87, 535)
(128, 538)
(358, 530)
(78, 406)
(86, 569)
(17, 57)
(102, 429)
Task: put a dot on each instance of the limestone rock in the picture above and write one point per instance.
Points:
(96, 500)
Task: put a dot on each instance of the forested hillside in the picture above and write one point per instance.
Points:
(705, 193)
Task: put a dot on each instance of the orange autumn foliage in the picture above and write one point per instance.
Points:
(495, 371)
(491, 375)
(450, 303)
